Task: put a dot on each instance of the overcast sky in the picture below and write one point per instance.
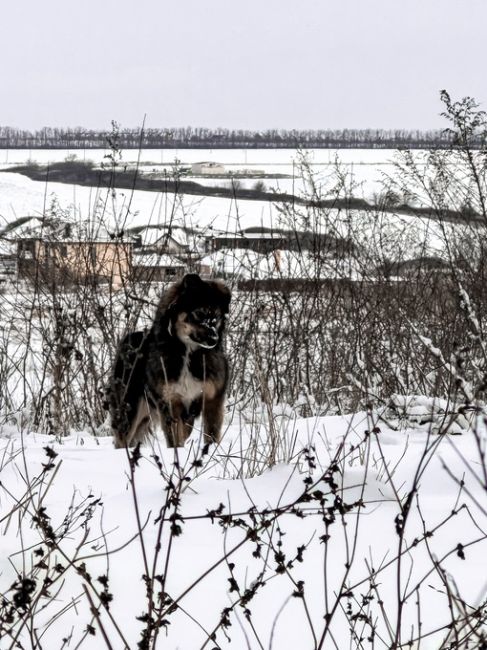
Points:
(253, 64)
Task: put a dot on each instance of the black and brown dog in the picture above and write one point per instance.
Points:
(176, 370)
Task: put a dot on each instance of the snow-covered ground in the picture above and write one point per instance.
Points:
(20, 196)
(274, 159)
(365, 169)
(213, 561)
(332, 530)
(393, 235)
(388, 233)
(367, 166)
(248, 264)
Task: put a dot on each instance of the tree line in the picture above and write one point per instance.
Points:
(214, 138)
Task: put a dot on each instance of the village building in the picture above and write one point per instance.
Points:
(30, 226)
(169, 239)
(412, 267)
(153, 267)
(209, 168)
(69, 261)
(266, 240)
(233, 263)
(259, 240)
(8, 260)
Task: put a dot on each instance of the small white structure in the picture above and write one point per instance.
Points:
(25, 227)
(212, 168)
(156, 268)
(236, 263)
(171, 239)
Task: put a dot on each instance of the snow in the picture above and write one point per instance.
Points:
(244, 263)
(267, 460)
(247, 158)
(367, 167)
(237, 262)
(19, 196)
(375, 471)
(395, 236)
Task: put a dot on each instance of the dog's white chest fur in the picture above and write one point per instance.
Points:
(186, 388)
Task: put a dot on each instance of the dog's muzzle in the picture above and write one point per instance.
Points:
(208, 338)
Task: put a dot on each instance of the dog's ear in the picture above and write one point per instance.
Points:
(191, 281)
(225, 295)
(173, 296)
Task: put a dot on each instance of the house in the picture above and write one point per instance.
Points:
(153, 267)
(266, 240)
(53, 228)
(203, 269)
(414, 266)
(223, 241)
(67, 260)
(233, 263)
(210, 168)
(25, 227)
(48, 248)
(8, 260)
(170, 239)
(261, 240)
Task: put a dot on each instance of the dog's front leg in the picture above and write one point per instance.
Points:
(168, 425)
(213, 418)
(175, 423)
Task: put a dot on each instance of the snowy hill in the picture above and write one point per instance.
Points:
(319, 549)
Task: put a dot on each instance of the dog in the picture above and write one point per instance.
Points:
(175, 371)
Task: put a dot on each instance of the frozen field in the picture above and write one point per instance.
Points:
(388, 233)
(365, 169)
(262, 158)
(20, 196)
(364, 172)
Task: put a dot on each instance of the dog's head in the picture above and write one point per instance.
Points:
(196, 311)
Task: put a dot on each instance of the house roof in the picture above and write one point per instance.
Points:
(58, 230)
(153, 235)
(226, 235)
(208, 163)
(264, 235)
(23, 226)
(7, 247)
(248, 233)
(78, 240)
(156, 261)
